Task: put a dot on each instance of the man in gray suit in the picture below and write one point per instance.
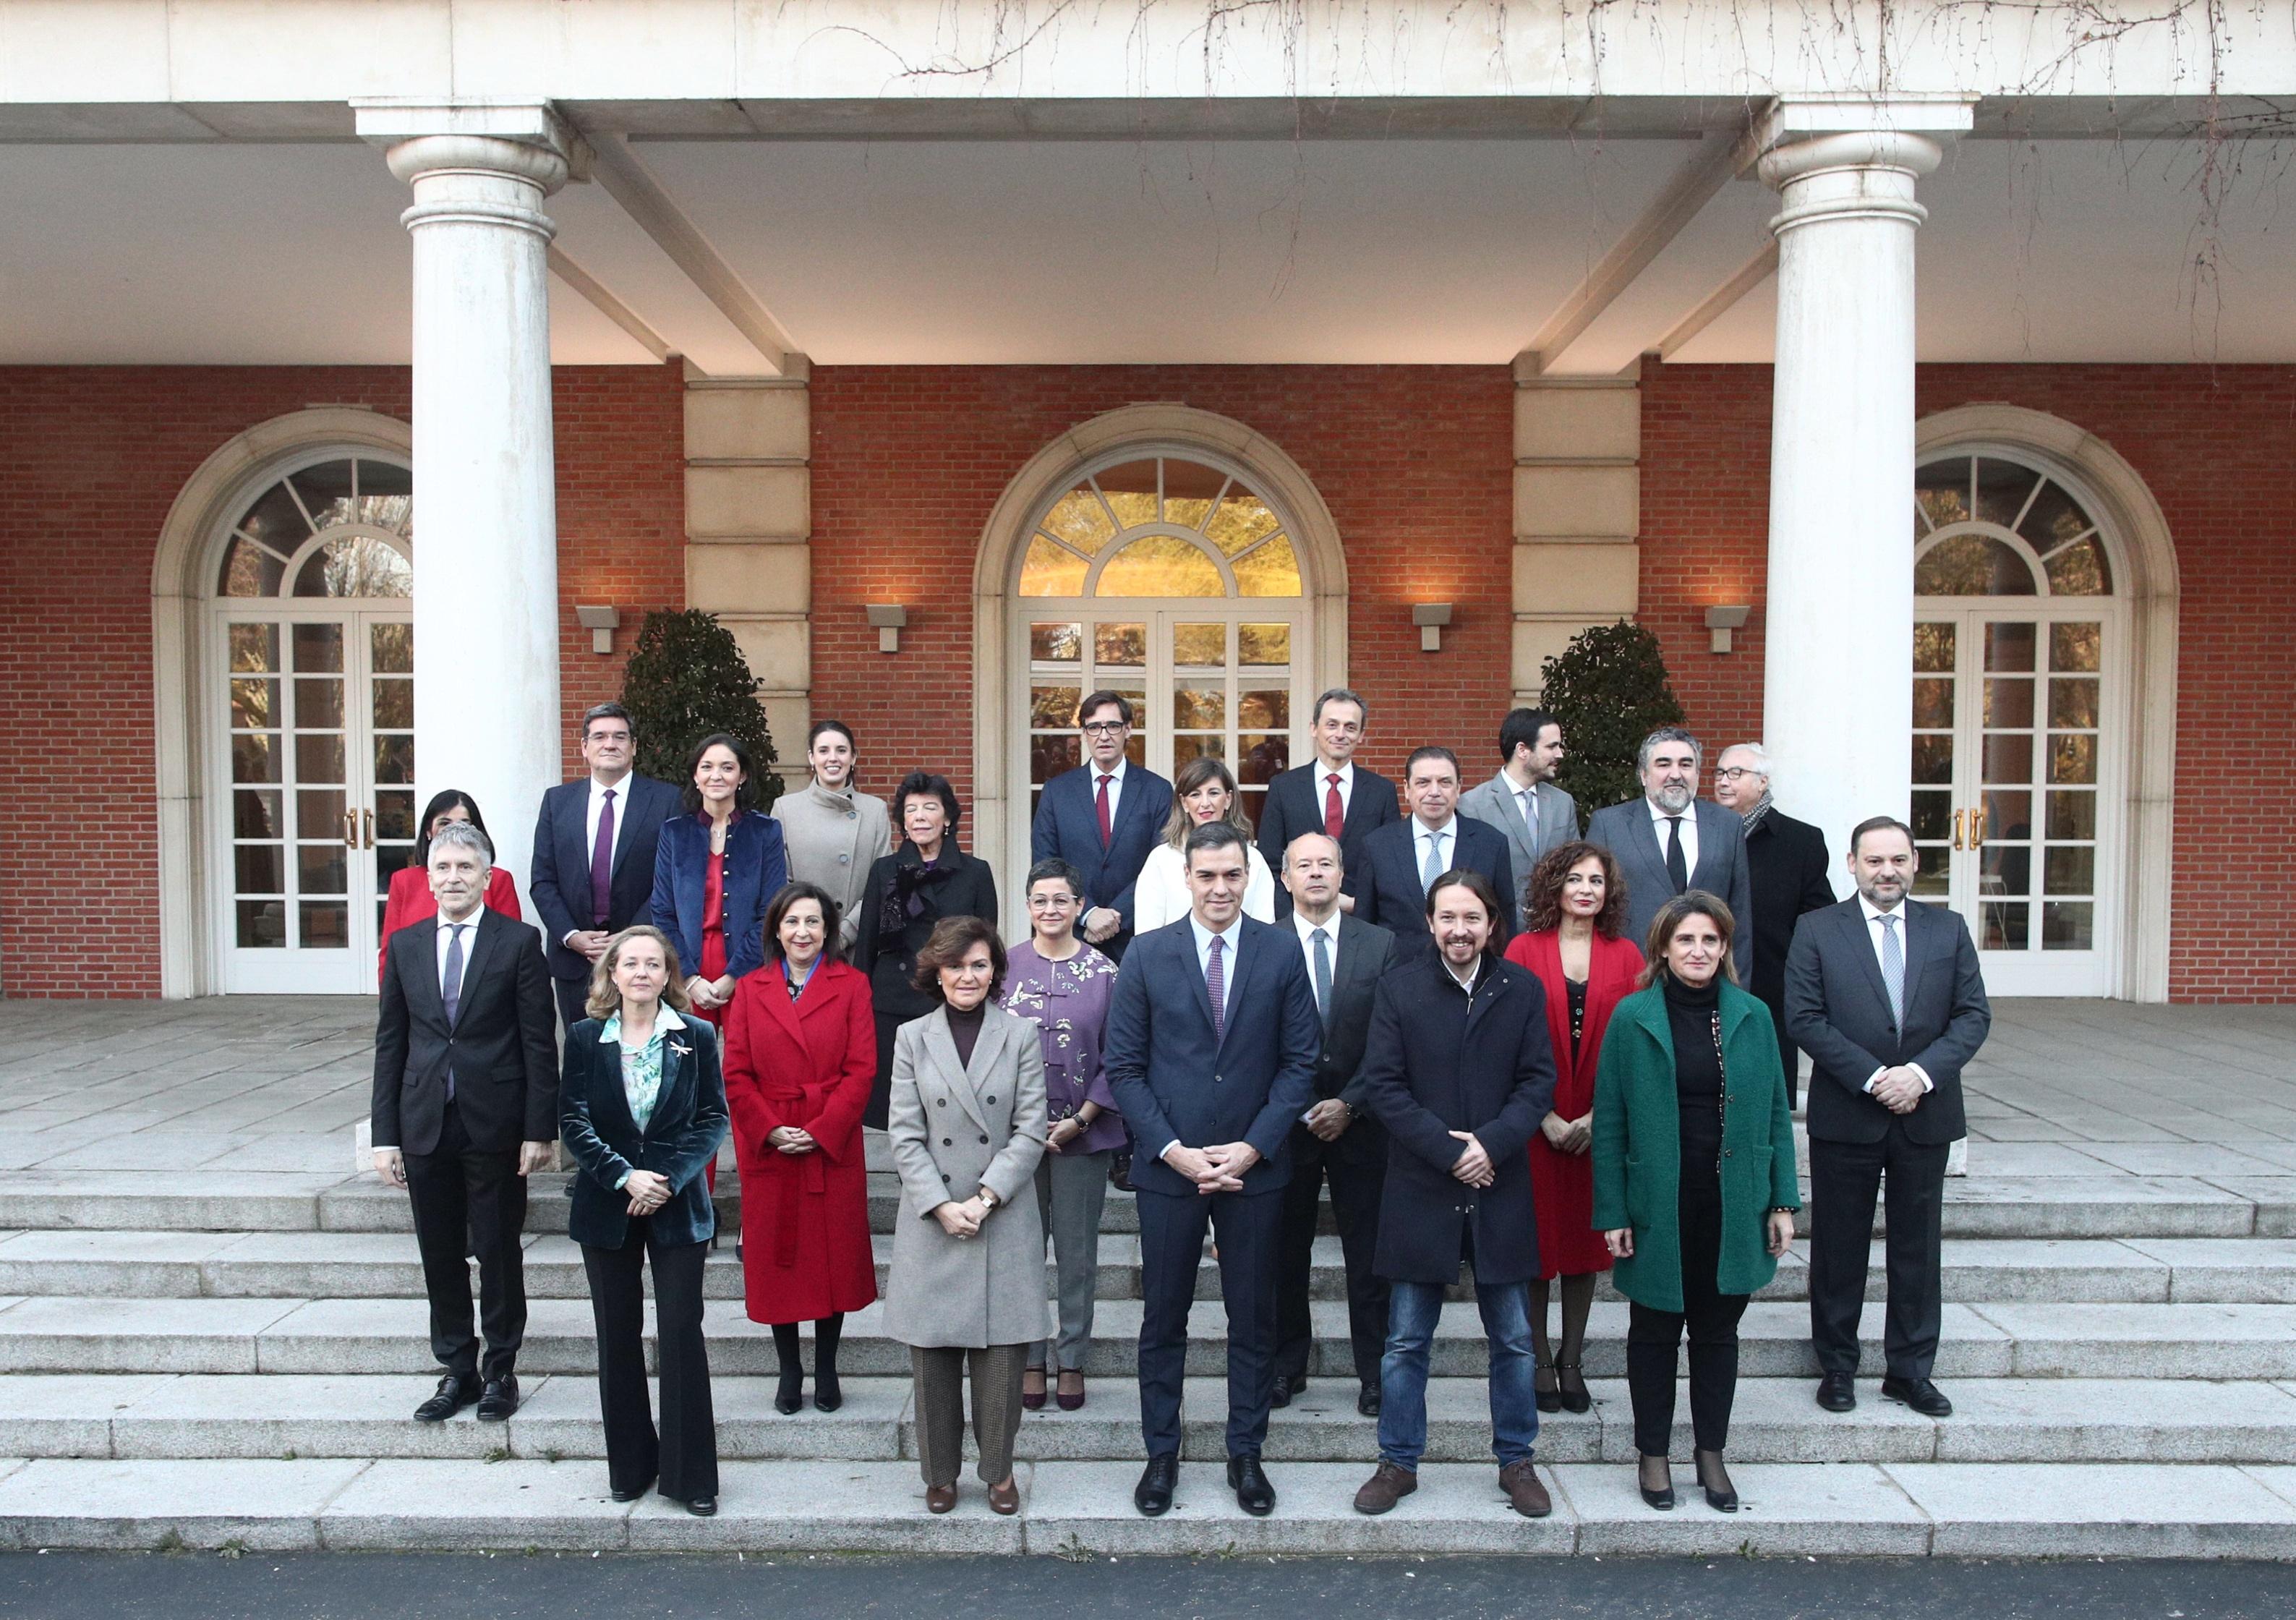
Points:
(1522, 800)
(1670, 841)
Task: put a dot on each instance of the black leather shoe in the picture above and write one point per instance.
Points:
(1253, 1494)
(1924, 1396)
(1367, 1400)
(1287, 1387)
(703, 1507)
(1837, 1392)
(500, 1400)
(1153, 1494)
(453, 1395)
(632, 1495)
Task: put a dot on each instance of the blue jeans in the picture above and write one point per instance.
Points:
(1411, 1312)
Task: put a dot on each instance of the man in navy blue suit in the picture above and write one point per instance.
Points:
(594, 850)
(1407, 857)
(1211, 1049)
(1103, 818)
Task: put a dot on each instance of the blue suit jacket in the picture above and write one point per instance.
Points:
(1067, 825)
(560, 879)
(1172, 1080)
(680, 1139)
(1391, 896)
(757, 868)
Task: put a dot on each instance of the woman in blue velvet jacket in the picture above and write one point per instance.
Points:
(715, 871)
(642, 1107)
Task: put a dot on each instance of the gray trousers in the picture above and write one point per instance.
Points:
(939, 1374)
(1070, 1189)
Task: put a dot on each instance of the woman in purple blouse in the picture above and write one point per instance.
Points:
(1063, 986)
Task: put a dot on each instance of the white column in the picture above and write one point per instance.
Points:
(486, 520)
(1838, 640)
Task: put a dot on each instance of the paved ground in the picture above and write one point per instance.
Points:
(59, 1586)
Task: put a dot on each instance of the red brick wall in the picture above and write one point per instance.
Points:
(94, 457)
(1416, 465)
(2216, 445)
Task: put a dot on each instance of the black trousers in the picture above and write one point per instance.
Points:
(1844, 1177)
(1171, 1247)
(1654, 1338)
(683, 1456)
(573, 994)
(1356, 1166)
(471, 1200)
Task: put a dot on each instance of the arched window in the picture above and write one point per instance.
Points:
(1984, 526)
(1159, 526)
(340, 528)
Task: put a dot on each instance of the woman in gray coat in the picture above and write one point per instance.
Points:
(967, 1123)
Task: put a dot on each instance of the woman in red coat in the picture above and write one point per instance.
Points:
(1574, 905)
(410, 900)
(801, 1056)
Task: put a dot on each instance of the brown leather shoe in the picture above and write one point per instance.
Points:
(940, 1499)
(1004, 1498)
(1528, 1498)
(1385, 1488)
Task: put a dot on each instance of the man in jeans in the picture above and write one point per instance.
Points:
(1458, 1068)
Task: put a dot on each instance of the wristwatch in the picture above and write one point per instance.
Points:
(988, 1198)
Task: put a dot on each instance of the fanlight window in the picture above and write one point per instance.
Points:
(340, 528)
(1159, 526)
(1985, 527)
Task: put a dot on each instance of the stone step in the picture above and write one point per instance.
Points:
(305, 1265)
(77, 1333)
(1079, 1509)
(153, 1416)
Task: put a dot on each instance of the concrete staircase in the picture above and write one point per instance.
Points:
(212, 1358)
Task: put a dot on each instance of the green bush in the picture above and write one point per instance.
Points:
(1608, 690)
(686, 678)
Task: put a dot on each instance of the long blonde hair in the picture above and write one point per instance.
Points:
(1193, 775)
(604, 1000)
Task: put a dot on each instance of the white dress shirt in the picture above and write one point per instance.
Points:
(1204, 937)
(1905, 954)
(1658, 819)
(1446, 839)
(1526, 802)
(469, 926)
(1347, 773)
(1115, 786)
(621, 791)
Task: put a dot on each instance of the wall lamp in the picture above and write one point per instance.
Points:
(602, 622)
(1430, 617)
(1720, 621)
(889, 620)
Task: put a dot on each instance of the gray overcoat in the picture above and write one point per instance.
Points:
(955, 1129)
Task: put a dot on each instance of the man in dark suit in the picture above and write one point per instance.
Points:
(465, 1108)
(594, 850)
(1211, 1049)
(1522, 800)
(1670, 841)
(1884, 994)
(1332, 796)
(1103, 818)
(1336, 1138)
(1406, 857)
(1791, 874)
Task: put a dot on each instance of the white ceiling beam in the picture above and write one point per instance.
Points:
(1720, 157)
(603, 300)
(1711, 308)
(622, 177)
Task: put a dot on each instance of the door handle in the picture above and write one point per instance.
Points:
(1976, 829)
(1958, 818)
(351, 829)
(366, 820)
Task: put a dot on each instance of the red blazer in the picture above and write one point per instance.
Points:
(805, 1217)
(410, 901)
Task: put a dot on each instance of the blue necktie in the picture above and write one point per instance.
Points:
(1216, 987)
(1893, 968)
(1432, 868)
(451, 989)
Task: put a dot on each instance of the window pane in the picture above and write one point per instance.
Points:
(1265, 709)
(2073, 704)
(326, 492)
(392, 648)
(1053, 707)
(249, 570)
(2009, 759)
(255, 649)
(1941, 491)
(2002, 926)
(1048, 756)
(275, 522)
(1196, 747)
(2072, 758)
(319, 703)
(2075, 646)
(394, 704)
(2080, 570)
(1130, 490)
(1932, 815)
(1272, 570)
(256, 813)
(2052, 519)
(319, 812)
(385, 494)
(254, 704)
(1120, 644)
(1189, 488)
(2009, 703)
(1050, 571)
(321, 869)
(2070, 870)
(1078, 518)
(1199, 646)
(1160, 565)
(1260, 759)
(255, 757)
(1933, 702)
(1934, 759)
(259, 868)
(1243, 521)
(1263, 644)
(2003, 489)
(1199, 708)
(1934, 877)
(2068, 925)
(318, 756)
(394, 816)
(318, 649)
(2072, 813)
(394, 760)
(356, 566)
(326, 925)
(1972, 566)
(2010, 647)
(1056, 642)
(2006, 870)
(1933, 645)
(262, 924)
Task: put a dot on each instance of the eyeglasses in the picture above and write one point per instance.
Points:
(1050, 902)
(1732, 773)
(1103, 727)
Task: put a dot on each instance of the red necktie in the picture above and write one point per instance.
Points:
(1335, 816)
(1101, 802)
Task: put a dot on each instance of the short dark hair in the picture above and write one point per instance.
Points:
(838, 727)
(447, 799)
(1051, 869)
(745, 797)
(1210, 836)
(1339, 695)
(1484, 891)
(1430, 751)
(1875, 824)
(952, 937)
(1520, 728)
(1667, 734)
(1101, 700)
(779, 908)
(927, 784)
(606, 711)
(1671, 915)
(1542, 891)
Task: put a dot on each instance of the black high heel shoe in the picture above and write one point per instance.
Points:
(790, 1398)
(1549, 1399)
(1723, 1499)
(1566, 1374)
(1662, 1499)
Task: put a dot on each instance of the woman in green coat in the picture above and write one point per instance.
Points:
(1694, 1188)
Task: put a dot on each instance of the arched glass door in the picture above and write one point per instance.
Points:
(311, 645)
(2018, 753)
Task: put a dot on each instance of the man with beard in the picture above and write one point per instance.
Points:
(1885, 996)
(1670, 841)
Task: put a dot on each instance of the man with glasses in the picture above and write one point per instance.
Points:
(1103, 818)
(1790, 872)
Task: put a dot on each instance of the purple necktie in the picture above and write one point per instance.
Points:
(1216, 987)
(602, 862)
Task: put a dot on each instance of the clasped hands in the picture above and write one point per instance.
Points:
(790, 1140)
(1328, 1121)
(1216, 1169)
(1572, 1135)
(649, 1190)
(1474, 1165)
(1899, 1090)
(962, 1220)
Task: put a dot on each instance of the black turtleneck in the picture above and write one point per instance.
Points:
(1691, 1017)
(964, 1027)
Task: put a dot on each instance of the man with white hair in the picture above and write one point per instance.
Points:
(1787, 863)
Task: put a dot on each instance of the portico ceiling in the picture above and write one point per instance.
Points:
(1401, 250)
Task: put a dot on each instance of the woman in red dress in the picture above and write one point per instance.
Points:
(410, 900)
(1574, 906)
(800, 1058)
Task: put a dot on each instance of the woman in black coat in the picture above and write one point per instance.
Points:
(642, 1107)
(926, 879)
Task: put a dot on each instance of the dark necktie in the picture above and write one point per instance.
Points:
(602, 863)
(1324, 974)
(1677, 871)
(1216, 987)
(1101, 806)
(1335, 815)
(450, 988)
